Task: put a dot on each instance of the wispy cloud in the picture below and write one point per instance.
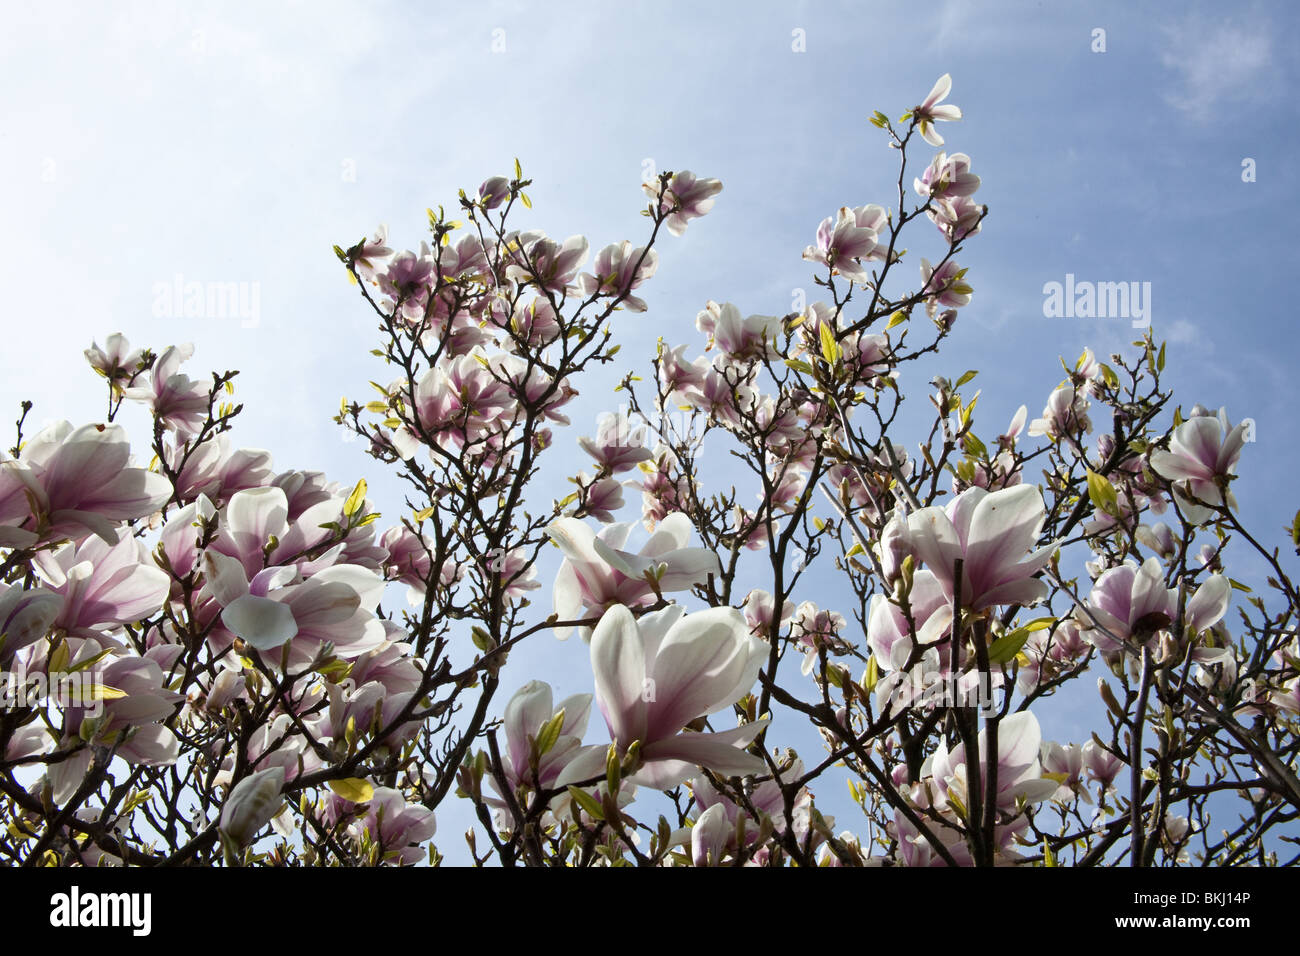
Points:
(1216, 62)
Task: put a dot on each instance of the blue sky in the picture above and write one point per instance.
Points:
(237, 142)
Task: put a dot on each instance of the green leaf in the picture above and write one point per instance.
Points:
(830, 347)
(353, 789)
(966, 378)
(357, 500)
(550, 733)
(898, 318)
(1008, 645)
(1102, 493)
(588, 805)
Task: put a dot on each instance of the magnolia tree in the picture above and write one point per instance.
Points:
(200, 667)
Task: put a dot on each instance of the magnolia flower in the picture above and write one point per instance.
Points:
(117, 362)
(944, 286)
(947, 176)
(1101, 765)
(25, 617)
(548, 264)
(1126, 602)
(131, 714)
(930, 112)
(676, 374)
(1131, 603)
(529, 711)
(1019, 775)
(397, 828)
(656, 675)
(177, 401)
(710, 835)
(596, 575)
(104, 586)
(85, 483)
(371, 253)
(842, 241)
(494, 191)
(619, 268)
(1065, 416)
(617, 446)
(990, 531)
(739, 339)
(1202, 456)
(1159, 538)
(758, 612)
(890, 636)
(603, 498)
(957, 217)
(686, 198)
(1065, 762)
(766, 799)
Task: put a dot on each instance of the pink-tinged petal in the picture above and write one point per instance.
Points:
(526, 712)
(934, 542)
(257, 513)
(619, 665)
(942, 87)
(1231, 450)
(1026, 591)
(687, 567)
(1019, 740)
(704, 663)
(1208, 604)
(709, 836)
(224, 577)
(140, 709)
(573, 538)
(368, 585)
(1005, 524)
(1175, 467)
(666, 760)
(630, 565)
(672, 534)
(577, 711)
(65, 776)
(133, 494)
(261, 622)
(1199, 438)
(587, 764)
(568, 598)
(317, 603)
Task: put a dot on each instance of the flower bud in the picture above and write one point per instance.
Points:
(251, 804)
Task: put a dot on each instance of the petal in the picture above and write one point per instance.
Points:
(1004, 525)
(619, 666)
(940, 90)
(1208, 604)
(263, 623)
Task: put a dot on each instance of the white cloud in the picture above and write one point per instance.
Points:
(1215, 62)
